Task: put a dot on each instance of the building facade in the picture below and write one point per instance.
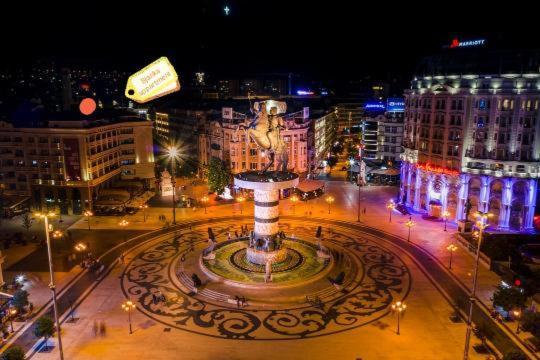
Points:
(470, 144)
(223, 139)
(349, 116)
(389, 137)
(65, 164)
(324, 135)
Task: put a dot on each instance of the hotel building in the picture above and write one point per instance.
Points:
(470, 137)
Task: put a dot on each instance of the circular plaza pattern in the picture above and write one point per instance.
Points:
(301, 301)
(300, 264)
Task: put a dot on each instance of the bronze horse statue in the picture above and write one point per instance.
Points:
(265, 130)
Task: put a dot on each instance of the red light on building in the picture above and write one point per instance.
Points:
(455, 43)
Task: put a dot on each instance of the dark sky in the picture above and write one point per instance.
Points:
(320, 39)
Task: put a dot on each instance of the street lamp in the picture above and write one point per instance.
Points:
(329, 199)
(398, 307)
(445, 216)
(52, 286)
(409, 224)
(129, 306)
(390, 206)
(351, 163)
(13, 312)
(123, 224)
(240, 200)
(481, 225)
(172, 153)
(143, 207)
(516, 313)
(88, 213)
(204, 200)
(294, 199)
(451, 248)
(80, 247)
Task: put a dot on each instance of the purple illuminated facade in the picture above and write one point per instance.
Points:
(470, 141)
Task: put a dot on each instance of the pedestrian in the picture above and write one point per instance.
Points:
(121, 259)
(102, 328)
(229, 235)
(95, 328)
(236, 233)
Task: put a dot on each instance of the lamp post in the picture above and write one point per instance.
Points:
(52, 286)
(517, 316)
(351, 163)
(240, 200)
(12, 313)
(409, 224)
(398, 307)
(204, 200)
(129, 306)
(80, 247)
(294, 199)
(451, 248)
(123, 224)
(172, 153)
(445, 216)
(88, 213)
(481, 225)
(143, 207)
(329, 199)
(390, 206)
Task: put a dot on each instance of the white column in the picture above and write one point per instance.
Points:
(484, 193)
(417, 190)
(462, 196)
(266, 212)
(530, 205)
(506, 201)
(428, 191)
(410, 185)
(444, 193)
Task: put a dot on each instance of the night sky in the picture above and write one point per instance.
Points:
(321, 40)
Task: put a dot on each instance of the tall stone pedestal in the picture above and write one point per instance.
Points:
(265, 245)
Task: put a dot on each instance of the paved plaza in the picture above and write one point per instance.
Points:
(353, 322)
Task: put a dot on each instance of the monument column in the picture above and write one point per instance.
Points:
(266, 212)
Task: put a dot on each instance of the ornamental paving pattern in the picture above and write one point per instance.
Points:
(354, 322)
(302, 308)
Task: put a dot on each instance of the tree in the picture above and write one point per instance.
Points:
(331, 161)
(515, 355)
(219, 176)
(13, 353)
(20, 300)
(530, 322)
(44, 328)
(26, 221)
(509, 298)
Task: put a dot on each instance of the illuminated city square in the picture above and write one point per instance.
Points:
(277, 180)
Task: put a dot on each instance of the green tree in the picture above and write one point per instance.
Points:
(219, 175)
(44, 328)
(331, 161)
(509, 298)
(530, 322)
(515, 355)
(13, 353)
(26, 221)
(20, 300)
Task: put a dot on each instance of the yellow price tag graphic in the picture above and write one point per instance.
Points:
(155, 80)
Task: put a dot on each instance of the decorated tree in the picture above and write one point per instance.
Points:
(219, 175)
